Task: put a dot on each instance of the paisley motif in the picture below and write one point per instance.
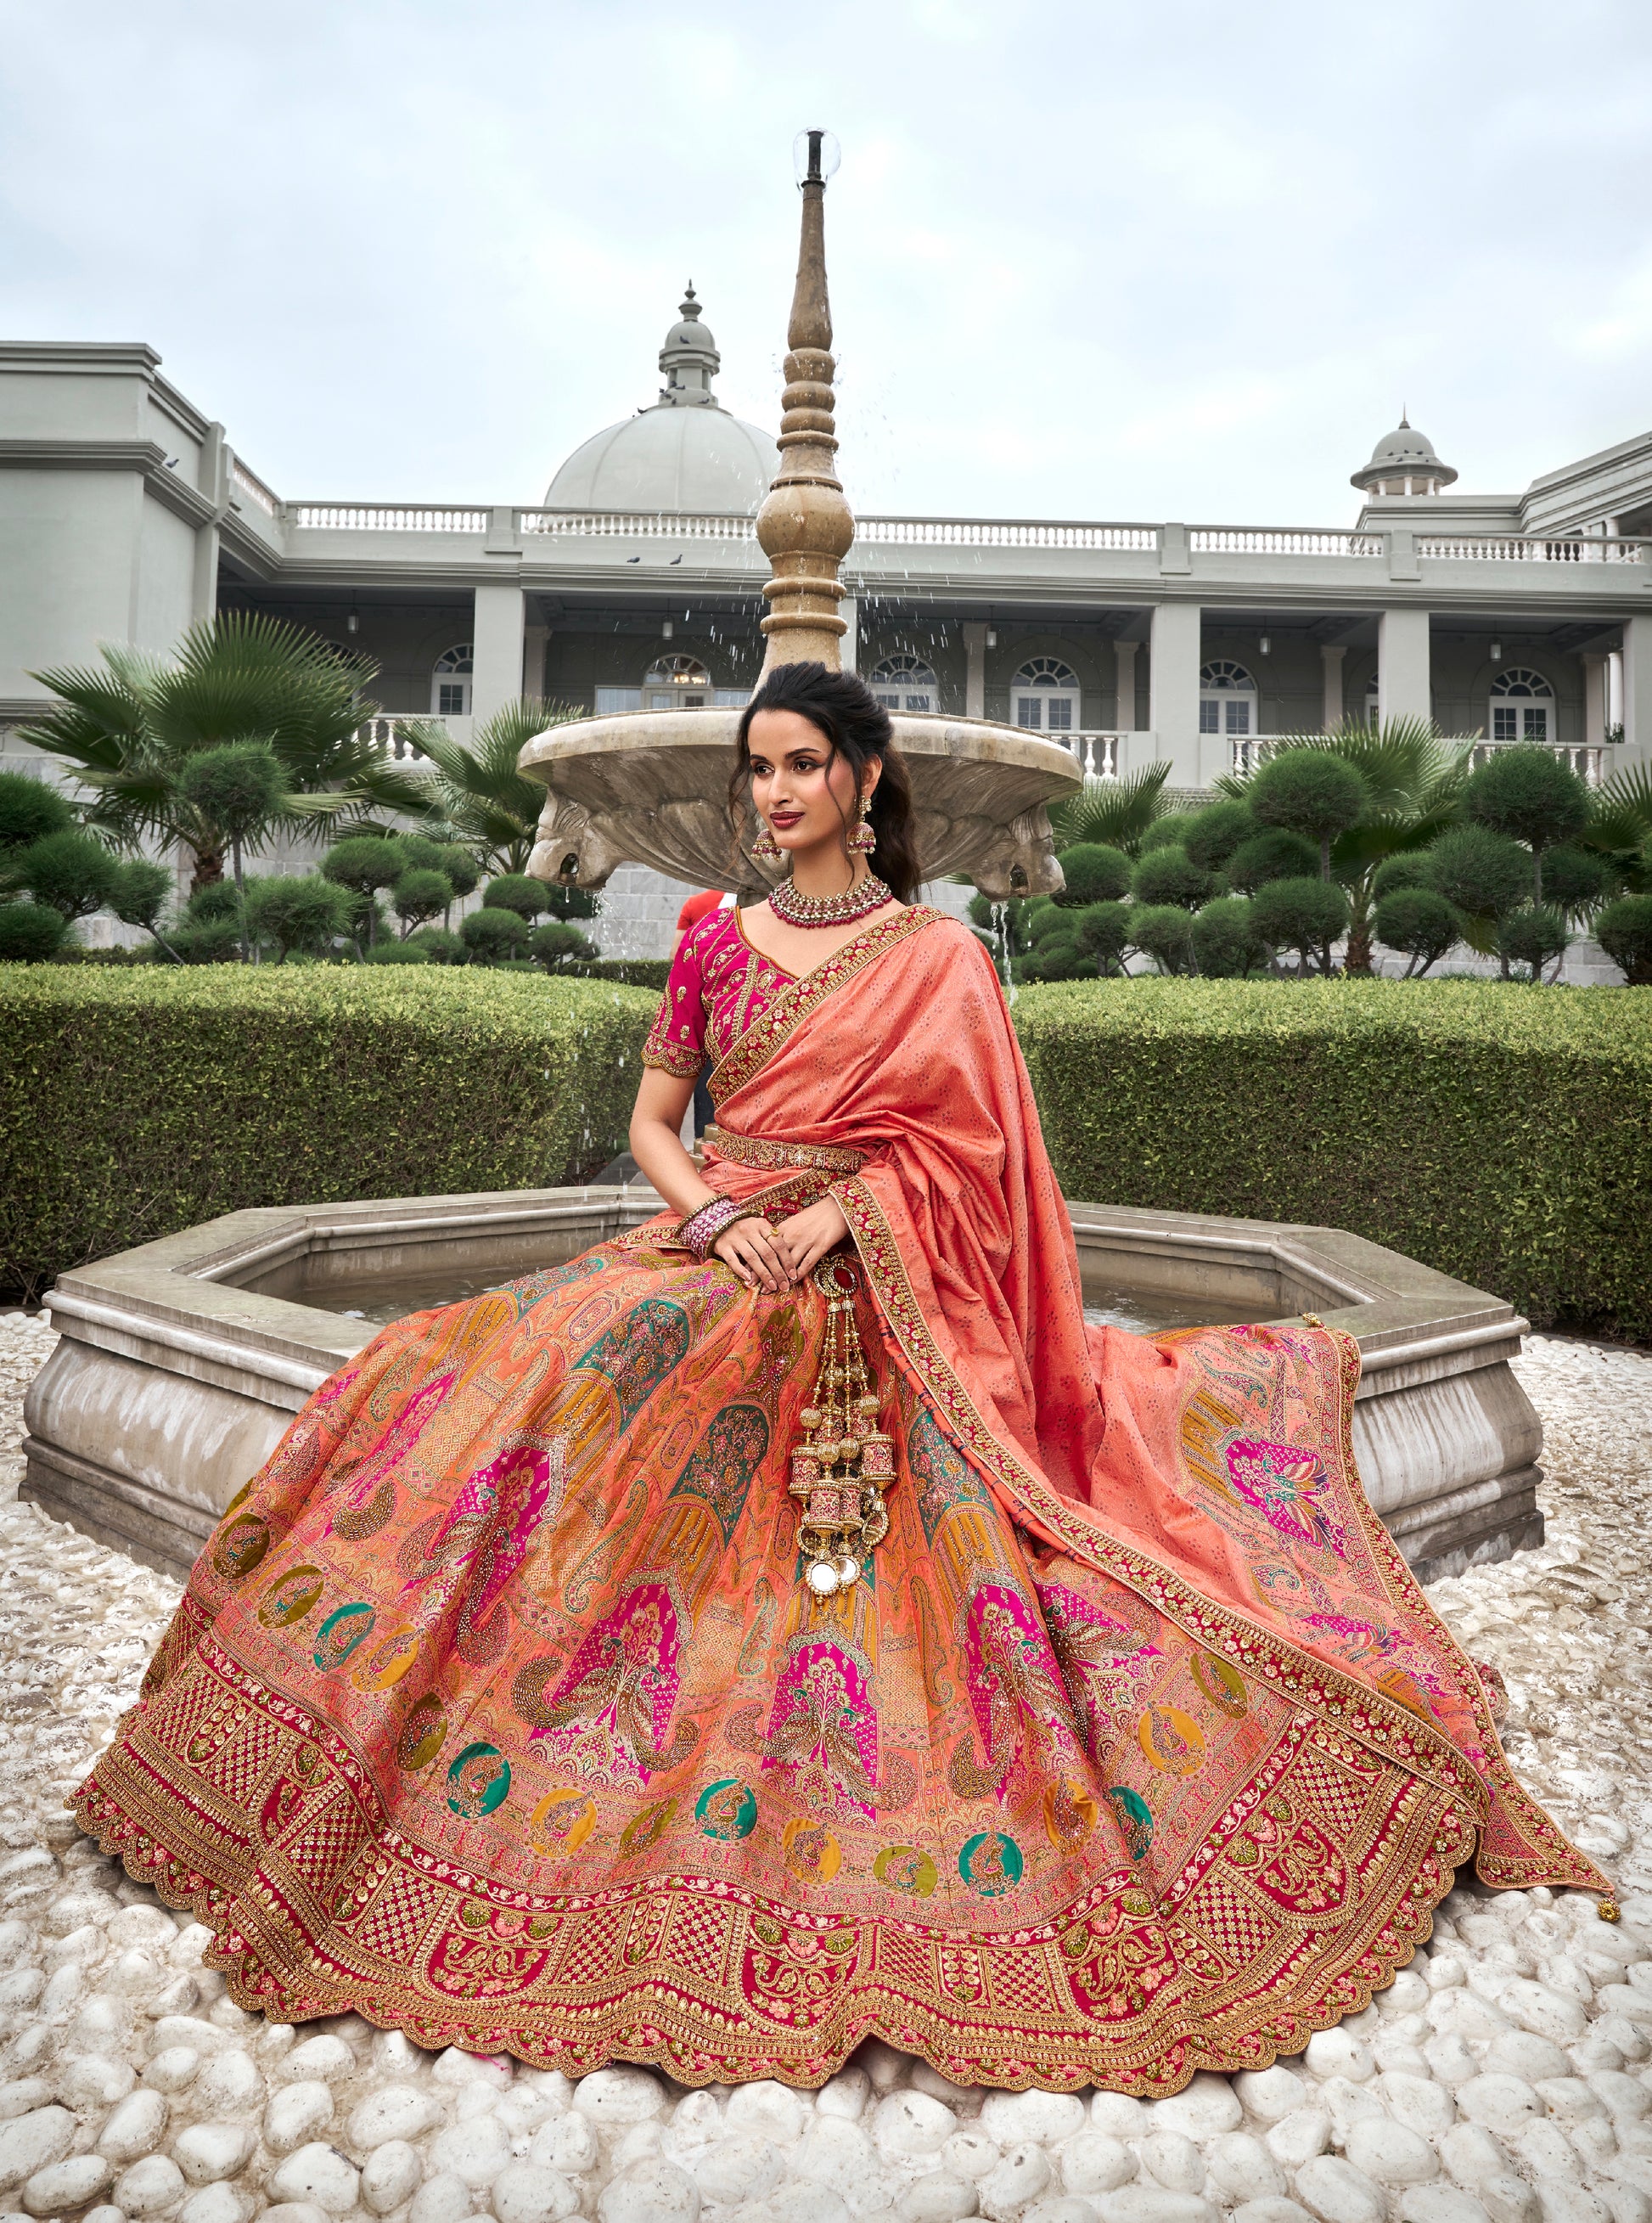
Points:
(609, 1716)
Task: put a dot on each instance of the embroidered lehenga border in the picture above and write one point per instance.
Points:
(497, 1713)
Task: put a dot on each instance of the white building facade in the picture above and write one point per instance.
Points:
(125, 513)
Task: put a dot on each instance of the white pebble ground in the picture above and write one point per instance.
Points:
(1505, 2076)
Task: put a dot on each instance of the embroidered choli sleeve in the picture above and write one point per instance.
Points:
(676, 1041)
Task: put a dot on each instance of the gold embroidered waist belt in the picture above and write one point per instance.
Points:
(780, 1157)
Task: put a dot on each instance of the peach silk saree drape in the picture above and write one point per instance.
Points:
(498, 1709)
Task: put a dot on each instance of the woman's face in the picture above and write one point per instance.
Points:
(806, 794)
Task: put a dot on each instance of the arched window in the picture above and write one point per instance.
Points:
(906, 682)
(1227, 699)
(451, 683)
(676, 683)
(1044, 696)
(1522, 706)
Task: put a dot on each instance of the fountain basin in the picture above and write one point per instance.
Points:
(648, 787)
(181, 1363)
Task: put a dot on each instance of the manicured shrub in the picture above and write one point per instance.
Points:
(1575, 880)
(1095, 873)
(1494, 1134)
(1211, 836)
(517, 892)
(490, 934)
(1170, 831)
(208, 940)
(364, 863)
(1047, 921)
(1169, 875)
(1165, 933)
(441, 946)
(29, 931)
(217, 899)
(1311, 792)
(397, 953)
(451, 858)
(298, 911)
(139, 1101)
(1305, 916)
(1624, 930)
(1271, 856)
(1102, 933)
(1484, 874)
(72, 871)
(1535, 935)
(30, 809)
(419, 894)
(142, 887)
(1408, 869)
(558, 944)
(1531, 795)
(1226, 945)
(1417, 923)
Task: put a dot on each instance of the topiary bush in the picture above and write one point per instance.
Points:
(517, 892)
(1165, 933)
(30, 931)
(1310, 792)
(490, 934)
(1271, 856)
(1530, 796)
(139, 1100)
(1417, 923)
(1103, 935)
(298, 912)
(1306, 916)
(1534, 935)
(1226, 945)
(1623, 930)
(1095, 873)
(1408, 869)
(1169, 875)
(72, 871)
(1211, 836)
(1494, 1133)
(1483, 874)
(29, 810)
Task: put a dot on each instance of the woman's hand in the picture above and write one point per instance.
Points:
(808, 1235)
(752, 1247)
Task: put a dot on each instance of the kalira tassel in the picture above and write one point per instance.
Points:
(845, 1462)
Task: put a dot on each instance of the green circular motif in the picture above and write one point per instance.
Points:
(727, 1808)
(340, 1633)
(990, 1863)
(1134, 1819)
(291, 1597)
(478, 1781)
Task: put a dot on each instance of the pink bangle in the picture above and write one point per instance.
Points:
(701, 1229)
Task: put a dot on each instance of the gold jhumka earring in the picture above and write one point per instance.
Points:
(864, 840)
(765, 845)
(841, 1470)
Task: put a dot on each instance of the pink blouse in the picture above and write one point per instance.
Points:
(718, 984)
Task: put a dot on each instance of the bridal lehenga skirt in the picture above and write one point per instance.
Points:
(499, 1710)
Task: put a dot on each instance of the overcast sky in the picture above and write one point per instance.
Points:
(1167, 259)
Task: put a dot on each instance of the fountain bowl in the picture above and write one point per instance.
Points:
(179, 1364)
(650, 787)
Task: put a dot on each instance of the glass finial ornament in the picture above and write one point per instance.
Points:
(845, 1462)
(815, 156)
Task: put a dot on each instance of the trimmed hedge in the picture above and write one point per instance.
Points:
(136, 1102)
(1497, 1133)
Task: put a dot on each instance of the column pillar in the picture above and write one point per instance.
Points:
(1124, 699)
(497, 638)
(534, 640)
(975, 671)
(849, 611)
(1595, 720)
(1402, 688)
(1637, 692)
(1174, 663)
(1331, 712)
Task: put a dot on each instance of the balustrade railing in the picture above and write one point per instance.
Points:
(1247, 540)
(384, 517)
(393, 731)
(638, 525)
(1001, 533)
(1510, 549)
(253, 487)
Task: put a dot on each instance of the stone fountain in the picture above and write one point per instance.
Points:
(650, 787)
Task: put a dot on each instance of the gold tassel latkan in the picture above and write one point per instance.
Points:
(841, 1469)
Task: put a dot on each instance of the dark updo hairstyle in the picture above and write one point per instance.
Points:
(856, 726)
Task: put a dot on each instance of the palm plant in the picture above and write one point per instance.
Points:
(128, 726)
(1620, 826)
(473, 792)
(1415, 782)
(1113, 814)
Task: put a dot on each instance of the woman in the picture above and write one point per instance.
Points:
(789, 1621)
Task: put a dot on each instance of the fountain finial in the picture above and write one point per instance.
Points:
(804, 527)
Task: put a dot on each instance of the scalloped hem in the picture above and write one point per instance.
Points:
(630, 2038)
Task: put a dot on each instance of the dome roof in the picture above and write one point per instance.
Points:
(1405, 450)
(685, 452)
